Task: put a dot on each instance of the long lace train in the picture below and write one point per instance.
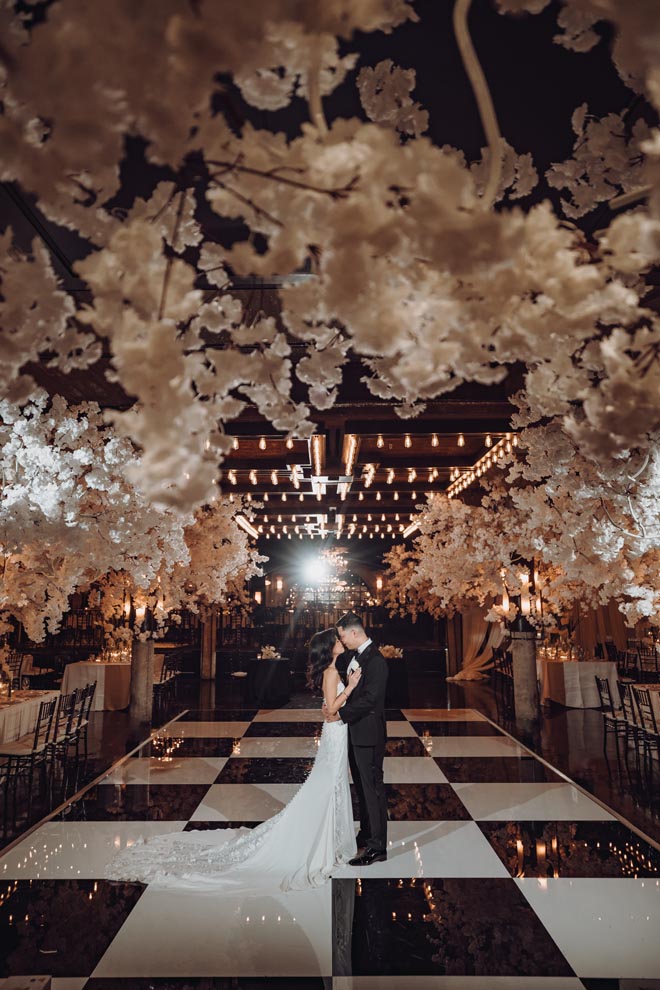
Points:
(295, 849)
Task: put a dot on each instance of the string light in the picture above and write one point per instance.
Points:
(459, 482)
(253, 476)
(289, 443)
(407, 442)
(489, 440)
(235, 444)
(461, 440)
(390, 476)
(262, 443)
(380, 442)
(232, 476)
(434, 440)
(273, 477)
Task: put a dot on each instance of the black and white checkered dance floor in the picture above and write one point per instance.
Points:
(501, 873)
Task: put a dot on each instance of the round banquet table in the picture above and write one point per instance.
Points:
(572, 683)
(268, 682)
(18, 717)
(113, 683)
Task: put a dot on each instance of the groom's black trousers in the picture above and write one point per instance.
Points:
(366, 764)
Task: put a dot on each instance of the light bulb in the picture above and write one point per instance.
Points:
(380, 442)
(489, 440)
(262, 443)
(434, 440)
(407, 440)
(461, 440)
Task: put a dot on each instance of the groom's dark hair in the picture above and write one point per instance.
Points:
(350, 621)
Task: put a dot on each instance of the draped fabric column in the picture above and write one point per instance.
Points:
(480, 638)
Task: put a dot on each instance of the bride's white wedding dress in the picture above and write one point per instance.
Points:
(298, 848)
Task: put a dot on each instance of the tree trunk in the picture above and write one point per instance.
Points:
(209, 645)
(525, 687)
(142, 680)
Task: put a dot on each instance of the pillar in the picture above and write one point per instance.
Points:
(142, 680)
(209, 645)
(525, 686)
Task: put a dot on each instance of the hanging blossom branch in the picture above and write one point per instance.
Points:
(482, 96)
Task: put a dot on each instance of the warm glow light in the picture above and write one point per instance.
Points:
(489, 440)
(351, 451)
(289, 443)
(461, 440)
(434, 440)
(235, 445)
(279, 584)
(410, 529)
(244, 524)
(253, 477)
(273, 477)
(262, 443)
(257, 597)
(380, 442)
(407, 441)
(232, 476)
(379, 584)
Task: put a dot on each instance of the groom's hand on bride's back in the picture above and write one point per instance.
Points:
(326, 714)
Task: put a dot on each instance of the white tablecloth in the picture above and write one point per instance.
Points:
(113, 683)
(19, 717)
(573, 682)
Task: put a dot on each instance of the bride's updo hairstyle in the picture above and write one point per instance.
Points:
(320, 656)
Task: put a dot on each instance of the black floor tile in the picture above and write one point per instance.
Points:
(456, 729)
(440, 927)
(405, 746)
(395, 715)
(185, 746)
(571, 849)
(257, 770)
(495, 769)
(209, 983)
(135, 802)
(199, 826)
(420, 803)
(61, 927)
(219, 715)
(270, 730)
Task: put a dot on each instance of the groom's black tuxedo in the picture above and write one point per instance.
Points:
(364, 713)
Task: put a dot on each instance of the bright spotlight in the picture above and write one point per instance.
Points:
(315, 570)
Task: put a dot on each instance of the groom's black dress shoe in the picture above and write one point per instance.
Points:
(368, 857)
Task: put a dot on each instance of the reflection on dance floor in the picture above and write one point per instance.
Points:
(500, 873)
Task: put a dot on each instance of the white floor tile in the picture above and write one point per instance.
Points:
(472, 746)
(529, 802)
(177, 770)
(243, 802)
(80, 850)
(605, 927)
(288, 747)
(438, 849)
(457, 983)
(412, 770)
(442, 715)
(176, 933)
(210, 730)
(400, 729)
(289, 715)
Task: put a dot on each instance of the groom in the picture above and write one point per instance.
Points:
(364, 713)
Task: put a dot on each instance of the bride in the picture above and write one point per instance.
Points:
(299, 847)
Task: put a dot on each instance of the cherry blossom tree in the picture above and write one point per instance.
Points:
(70, 518)
(411, 268)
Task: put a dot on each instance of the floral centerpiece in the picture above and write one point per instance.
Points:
(269, 653)
(391, 651)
